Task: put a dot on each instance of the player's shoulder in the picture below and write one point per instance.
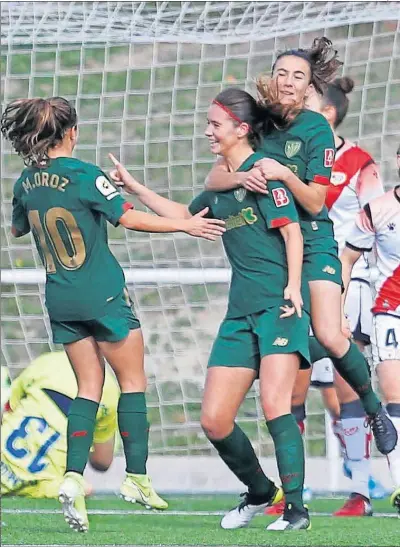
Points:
(252, 159)
(311, 120)
(384, 202)
(18, 188)
(356, 152)
(80, 167)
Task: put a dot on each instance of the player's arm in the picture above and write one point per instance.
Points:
(221, 179)
(320, 157)
(101, 195)
(20, 224)
(160, 205)
(196, 226)
(369, 183)
(310, 196)
(293, 239)
(360, 240)
(279, 211)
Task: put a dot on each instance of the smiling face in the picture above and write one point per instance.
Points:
(293, 77)
(222, 131)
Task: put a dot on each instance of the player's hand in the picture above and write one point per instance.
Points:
(294, 295)
(207, 228)
(272, 169)
(121, 176)
(346, 330)
(254, 181)
(287, 311)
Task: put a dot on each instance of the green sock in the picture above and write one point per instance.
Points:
(289, 452)
(353, 367)
(317, 351)
(238, 454)
(80, 428)
(134, 429)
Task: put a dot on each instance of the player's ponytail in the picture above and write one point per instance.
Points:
(335, 95)
(34, 126)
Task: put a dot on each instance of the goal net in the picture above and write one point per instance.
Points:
(142, 75)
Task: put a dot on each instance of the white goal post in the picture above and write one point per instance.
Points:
(141, 75)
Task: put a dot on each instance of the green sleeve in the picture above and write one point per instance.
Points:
(200, 202)
(320, 153)
(278, 207)
(19, 217)
(101, 195)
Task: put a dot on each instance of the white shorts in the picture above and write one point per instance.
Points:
(385, 338)
(322, 373)
(358, 310)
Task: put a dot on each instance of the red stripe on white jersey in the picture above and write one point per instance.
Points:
(388, 297)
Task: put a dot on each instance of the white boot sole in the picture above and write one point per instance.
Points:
(71, 515)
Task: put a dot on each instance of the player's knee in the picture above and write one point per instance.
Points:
(100, 466)
(129, 383)
(91, 390)
(275, 405)
(330, 339)
(214, 426)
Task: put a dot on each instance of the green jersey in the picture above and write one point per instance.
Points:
(307, 148)
(66, 205)
(253, 244)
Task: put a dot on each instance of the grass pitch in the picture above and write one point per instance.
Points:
(189, 521)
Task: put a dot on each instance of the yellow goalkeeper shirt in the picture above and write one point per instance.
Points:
(34, 425)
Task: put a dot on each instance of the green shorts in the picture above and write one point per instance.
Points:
(112, 327)
(243, 341)
(323, 266)
(321, 261)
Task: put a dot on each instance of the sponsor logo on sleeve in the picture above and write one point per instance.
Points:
(338, 178)
(280, 197)
(105, 187)
(329, 157)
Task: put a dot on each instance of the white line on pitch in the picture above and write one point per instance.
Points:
(168, 513)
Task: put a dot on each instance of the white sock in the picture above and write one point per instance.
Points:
(360, 474)
(357, 439)
(337, 429)
(394, 457)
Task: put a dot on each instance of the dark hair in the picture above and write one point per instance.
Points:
(335, 95)
(33, 126)
(261, 118)
(321, 57)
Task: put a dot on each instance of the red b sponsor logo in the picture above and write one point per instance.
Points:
(329, 157)
(280, 197)
(350, 431)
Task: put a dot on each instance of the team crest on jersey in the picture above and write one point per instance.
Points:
(280, 197)
(292, 148)
(240, 194)
(338, 178)
(329, 157)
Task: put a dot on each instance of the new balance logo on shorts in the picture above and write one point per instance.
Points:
(329, 270)
(281, 342)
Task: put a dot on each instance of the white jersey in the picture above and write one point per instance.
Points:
(354, 182)
(379, 223)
